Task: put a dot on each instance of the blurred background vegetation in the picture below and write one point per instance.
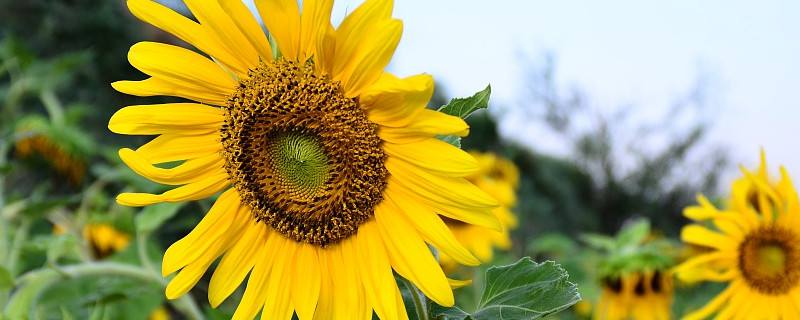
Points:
(58, 164)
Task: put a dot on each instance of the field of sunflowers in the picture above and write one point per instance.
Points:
(220, 159)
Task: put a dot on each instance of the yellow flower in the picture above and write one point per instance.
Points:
(498, 177)
(329, 167)
(639, 296)
(755, 248)
(159, 314)
(583, 308)
(103, 239)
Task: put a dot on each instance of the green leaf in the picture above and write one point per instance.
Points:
(634, 233)
(522, 290)
(463, 108)
(6, 280)
(441, 313)
(599, 241)
(152, 217)
(60, 246)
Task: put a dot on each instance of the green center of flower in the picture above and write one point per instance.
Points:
(769, 259)
(304, 158)
(299, 162)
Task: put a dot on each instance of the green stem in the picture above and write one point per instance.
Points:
(141, 249)
(16, 246)
(418, 298)
(4, 249)
(184, 304)
(53, 106)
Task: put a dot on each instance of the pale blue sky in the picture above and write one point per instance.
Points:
(640, 52)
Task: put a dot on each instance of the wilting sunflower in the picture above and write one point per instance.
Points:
(637, 295)
(498, 177)
(37, 142)
(754, 247)
(329, 167)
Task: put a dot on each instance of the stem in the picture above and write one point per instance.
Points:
(141, 249)
(53, 106)
(19, 239)
(184, 304)
(418, 298)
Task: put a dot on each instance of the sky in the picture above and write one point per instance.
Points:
(643, 53)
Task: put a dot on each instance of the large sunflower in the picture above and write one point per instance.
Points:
(498, 177)
(754, 247)
(329, 169)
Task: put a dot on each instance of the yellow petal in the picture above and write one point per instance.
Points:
(188, 172)
(249, 27)
(189, 275)
(194, 191)
(256, 291)
(371, 58)
(346, 281)
(171, 147)
(213, 227)
(426, 124)
(187, 30)
(698, 235)
(237, 263)
(455, 283)
(166, 118)
(325, 51)
(395, 102)
(306, 281)
(160, 87)
(279, 290)
(432, 228)
(282, 18)
(180, 66)
(314, 23)
(356, 29)
(457, 192)
(328, 297)
(436, 156)
(381, 289)
(410, 257)
(211, 16)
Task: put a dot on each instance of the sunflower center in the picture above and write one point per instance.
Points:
(303, 157)
(299, 162)
(769, 259)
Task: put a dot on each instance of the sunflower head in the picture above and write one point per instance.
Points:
(633, 273)
(102, 238)
(753, 243)
(305, 158)
(635, 295)
(62, 147)
(329, 170)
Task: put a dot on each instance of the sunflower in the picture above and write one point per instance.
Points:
(159, 313)
(638, 295)
(498, 177)
(330, 173)
(754, 246)
(62, 161)
(103, 239)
